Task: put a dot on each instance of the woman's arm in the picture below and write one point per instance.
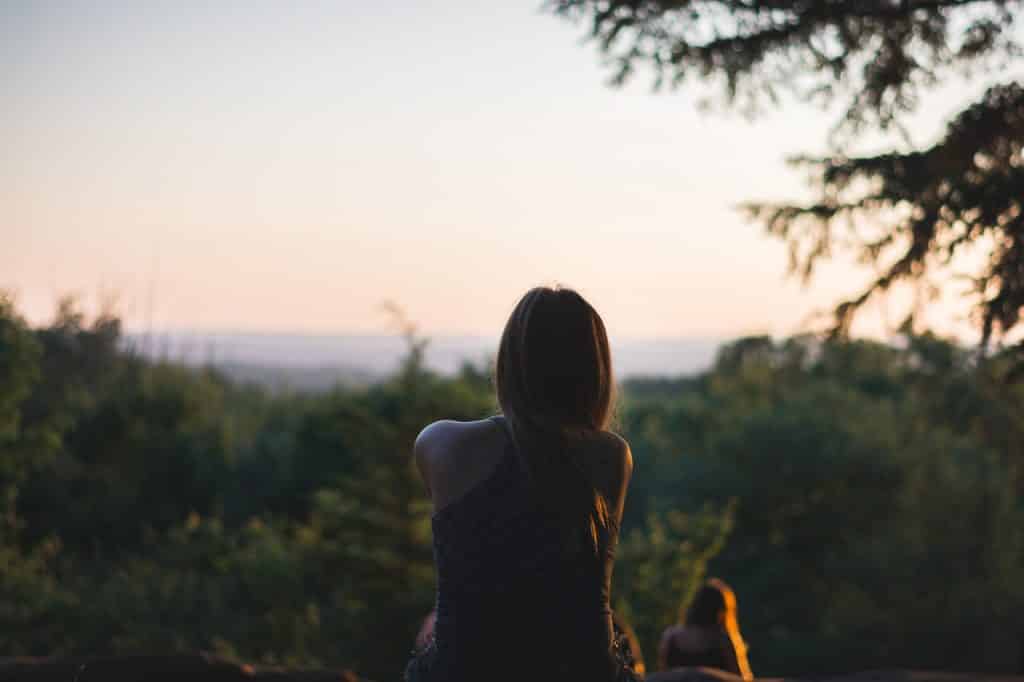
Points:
(420, 451)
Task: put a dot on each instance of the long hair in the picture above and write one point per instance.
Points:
(554, 381)
(714, 605)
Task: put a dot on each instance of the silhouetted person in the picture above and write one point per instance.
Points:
(527, 510)
(709, 636)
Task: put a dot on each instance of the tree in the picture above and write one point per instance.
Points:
(19, 371)
(875, 58)
(877, 502)
(661, 566)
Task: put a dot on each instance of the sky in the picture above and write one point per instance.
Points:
(289, 167)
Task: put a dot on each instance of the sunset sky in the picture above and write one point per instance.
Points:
(258, 166)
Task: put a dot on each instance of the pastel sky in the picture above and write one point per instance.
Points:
(264, 166)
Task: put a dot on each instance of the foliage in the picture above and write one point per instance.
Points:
(878, 498)
(963, 190)
(876, 57)
(863, 500)
(661, 565)
(19, 372)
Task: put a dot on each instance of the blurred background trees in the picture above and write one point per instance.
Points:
(872, 488)
(864, 500)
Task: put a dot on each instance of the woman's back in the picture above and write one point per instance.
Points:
(690, 646)
(528, 508)
(517, 595)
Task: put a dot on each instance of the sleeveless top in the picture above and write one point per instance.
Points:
(515, 599)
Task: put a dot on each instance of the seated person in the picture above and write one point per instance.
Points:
(527, 510)
(710, 635)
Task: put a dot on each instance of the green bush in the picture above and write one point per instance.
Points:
(863, 500)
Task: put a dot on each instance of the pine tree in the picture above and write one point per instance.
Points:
(875, 59)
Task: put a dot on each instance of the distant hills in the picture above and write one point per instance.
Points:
(304, 362)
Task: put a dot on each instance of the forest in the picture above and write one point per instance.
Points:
(864, 500)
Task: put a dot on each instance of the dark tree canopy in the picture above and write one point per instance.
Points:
(875, 59)
(966, 187)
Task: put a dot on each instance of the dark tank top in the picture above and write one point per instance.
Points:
(713, 656)
(516, 599)
(716, 652)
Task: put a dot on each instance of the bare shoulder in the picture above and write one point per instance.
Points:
(443, 441)
(669, 633)
(434, 434)
(611, 462)
(453, 456)
(614, 453)
(439, 437)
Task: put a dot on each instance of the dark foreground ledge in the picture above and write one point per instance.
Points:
(200, 668)
(711, 675)
(181, 668)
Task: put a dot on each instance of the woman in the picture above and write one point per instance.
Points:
(710, 636)
(527, 508)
